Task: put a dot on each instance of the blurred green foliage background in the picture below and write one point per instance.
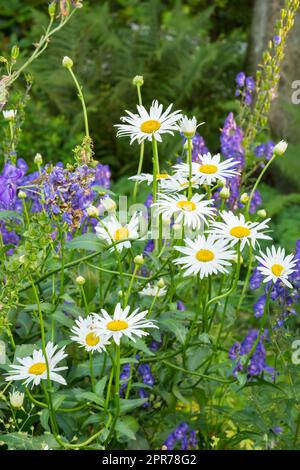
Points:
(188, 52)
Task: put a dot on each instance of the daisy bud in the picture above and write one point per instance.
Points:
(10, 114)
(188, 126)
(67, 62)
(16, 399)
(15, 52)
(120, 293)
(92, 211)
(224, 193)
(138, 80)
(244, 198)
(109, 204)
(262, 213)
(38, 159)
(51, 9)
(80, 280)
(139, 260)
(280, 148)
(161, 283)
(22, 195)
(221, 183)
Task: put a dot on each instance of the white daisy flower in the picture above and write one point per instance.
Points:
(188, 126)
(148, 125)
(153, 291)
(116, 232)
(87, 335)
(123, 323)
(275, 265)
(148, 178)
(177, 183)
(235, 229)
(192, 212)
(34, 369)
(10, 114)
(205, 256)
(210, 170)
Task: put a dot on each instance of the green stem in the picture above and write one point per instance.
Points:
(117, 392)
(81, 97)
(92, 371)
(142, 148)
(86, 307)
(245, 287)
(258, 181)
(189, 155)
(136, 266)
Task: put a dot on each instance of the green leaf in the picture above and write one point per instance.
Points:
(128, 405)
(127, 426)
(88, 241)
(142, 346)
(90, 396)
(23, 441)
(177, 328)
(5, 215)
(23, 350)
(44, 418)
(100, 386)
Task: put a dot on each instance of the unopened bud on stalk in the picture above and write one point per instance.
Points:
(80, 280)
(138, 80)
(280, 148)
(67, 62)
(262, 213)
(225, 193)
(120, 293)
(161, 283)
(109, 204)
(221, 183)
(92, 211)
(16, 399)
(139, 260)
(51, 9)
(38, 159)
(22, 195)
(244, 198)
(15, 52)
(10, 114)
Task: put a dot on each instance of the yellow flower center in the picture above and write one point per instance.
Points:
(208, 169)
(92, 339)
(121, 233)
(205, 255)
(162, 176)
(38, 368)
(240, 232)
(277, 269)
(150, 126)
(117, 325)
(187, 206)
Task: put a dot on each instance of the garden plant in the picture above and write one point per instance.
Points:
(162, 316)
